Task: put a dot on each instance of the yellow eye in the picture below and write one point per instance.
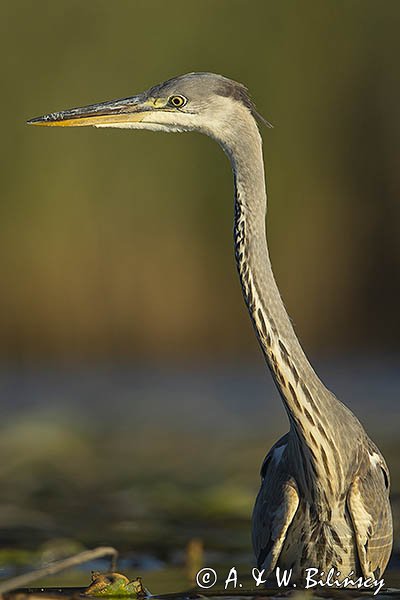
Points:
(177, 101)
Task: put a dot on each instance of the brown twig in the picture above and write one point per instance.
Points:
(60, 565)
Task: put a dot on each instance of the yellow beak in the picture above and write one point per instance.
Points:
(124, 110)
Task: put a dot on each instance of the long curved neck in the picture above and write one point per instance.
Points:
(318, 443)
(301, 390)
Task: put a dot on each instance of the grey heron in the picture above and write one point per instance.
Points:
(324, 496)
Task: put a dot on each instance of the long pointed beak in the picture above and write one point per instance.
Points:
(124, 110)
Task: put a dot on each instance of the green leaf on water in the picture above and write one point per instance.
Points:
(116, 584)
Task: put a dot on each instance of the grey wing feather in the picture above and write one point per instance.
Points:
(275, 507)
(369, 507)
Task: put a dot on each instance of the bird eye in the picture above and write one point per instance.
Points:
(177, 101)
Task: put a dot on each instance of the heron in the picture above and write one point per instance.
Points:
(324, 495)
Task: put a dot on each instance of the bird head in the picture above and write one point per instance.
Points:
(202, 102)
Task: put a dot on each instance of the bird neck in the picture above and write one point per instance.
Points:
(301, 390)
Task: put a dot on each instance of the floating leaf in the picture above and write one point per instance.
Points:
(116, 584)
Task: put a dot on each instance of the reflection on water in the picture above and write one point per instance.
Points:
(149, 459)
(172, 582)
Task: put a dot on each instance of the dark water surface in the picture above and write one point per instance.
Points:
(149, 459)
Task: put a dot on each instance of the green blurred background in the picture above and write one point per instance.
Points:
(123, 334)
(119, 244)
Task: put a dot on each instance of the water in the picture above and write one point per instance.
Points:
(149, 459)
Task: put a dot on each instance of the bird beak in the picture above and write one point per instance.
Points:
(114, 112)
